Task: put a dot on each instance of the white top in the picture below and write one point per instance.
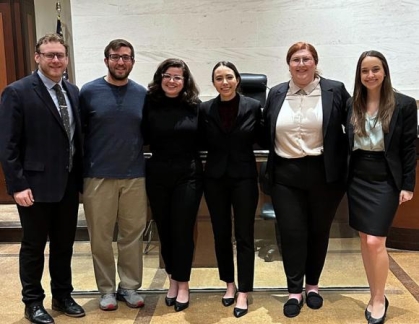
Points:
(374, 141)
(299, 124)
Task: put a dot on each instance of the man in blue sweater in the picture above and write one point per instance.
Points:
(114, 183)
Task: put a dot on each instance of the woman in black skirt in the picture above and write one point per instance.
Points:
(382, 129)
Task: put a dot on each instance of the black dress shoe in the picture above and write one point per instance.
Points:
(292, 307)
(181, 306)
(381, 320)
(239, 312)
(314, 300)
(170, 301)
(37, 314)
(68, 306)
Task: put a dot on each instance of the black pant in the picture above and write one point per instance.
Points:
(174, 189)
(242, 194)
(58, 222)
(305, 206)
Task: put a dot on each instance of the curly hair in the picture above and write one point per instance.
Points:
(189, 93)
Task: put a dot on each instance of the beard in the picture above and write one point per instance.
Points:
(118, 76)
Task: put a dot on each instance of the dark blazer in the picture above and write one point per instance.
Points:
(33, 143)
(399, 142)
(334, 97)
(230, 153)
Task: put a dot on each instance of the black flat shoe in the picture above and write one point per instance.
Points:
(381, 320)
(314, 300)
(170, 301)
(292, 307)
(239, 312)
(38, 315)
(181, 306)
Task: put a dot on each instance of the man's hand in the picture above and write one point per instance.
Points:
(24, 198)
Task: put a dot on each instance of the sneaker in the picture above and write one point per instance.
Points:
(131, 297)
(108, 302)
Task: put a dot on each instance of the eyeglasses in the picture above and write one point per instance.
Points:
(116, 57)
(168, 77)
(51, 56)
(298, 60)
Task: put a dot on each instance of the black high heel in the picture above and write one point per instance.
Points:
(181, 306)
(170, 301)
(367, 313)
(229, 301)
(381, 320)
(239, 312)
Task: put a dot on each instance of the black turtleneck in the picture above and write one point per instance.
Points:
(228, 111)
(170, 126)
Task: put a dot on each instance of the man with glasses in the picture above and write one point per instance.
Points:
(40, 152)
(114, 184)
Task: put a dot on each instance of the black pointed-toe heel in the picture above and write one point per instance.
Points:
(181, 306)
(239, 312)
(381, 320)
(367, 314)
(229, 301)
(170, 301)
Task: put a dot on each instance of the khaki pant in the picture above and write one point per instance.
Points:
(110, 201)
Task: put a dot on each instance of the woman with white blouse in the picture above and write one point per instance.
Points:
(306, 167)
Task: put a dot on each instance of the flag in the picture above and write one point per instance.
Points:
(59, 31)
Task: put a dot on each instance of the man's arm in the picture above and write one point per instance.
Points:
(11, 128)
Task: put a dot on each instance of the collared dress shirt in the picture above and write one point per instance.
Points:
(299, 124)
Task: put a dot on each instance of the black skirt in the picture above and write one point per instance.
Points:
(372, 195)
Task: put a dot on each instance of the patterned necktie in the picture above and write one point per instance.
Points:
(66, 120)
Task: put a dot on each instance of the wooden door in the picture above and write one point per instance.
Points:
(17, 44)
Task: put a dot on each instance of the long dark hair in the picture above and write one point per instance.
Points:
(387, 99)
(188, 94)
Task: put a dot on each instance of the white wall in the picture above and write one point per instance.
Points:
(253, 34)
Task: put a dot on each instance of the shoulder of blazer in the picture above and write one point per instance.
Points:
(279, 88)
(248, 100)
(207, 104)
(328, 84)
(402, 99)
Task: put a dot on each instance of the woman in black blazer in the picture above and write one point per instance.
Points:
(381, 129)
(229, 125)
(306, 167)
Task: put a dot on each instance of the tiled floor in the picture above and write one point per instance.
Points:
(343, 282)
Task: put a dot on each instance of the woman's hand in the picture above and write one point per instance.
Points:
(405, 196)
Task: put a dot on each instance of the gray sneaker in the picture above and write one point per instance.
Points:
(108, 302)
(131, 297)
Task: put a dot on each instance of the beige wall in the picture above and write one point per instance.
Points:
(253, 34)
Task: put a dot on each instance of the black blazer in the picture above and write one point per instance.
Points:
(33, 143)
(334, 97)
(399, 142)
(230, 153)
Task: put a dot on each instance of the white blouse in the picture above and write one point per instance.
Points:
(374, 141)
(299, 124)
